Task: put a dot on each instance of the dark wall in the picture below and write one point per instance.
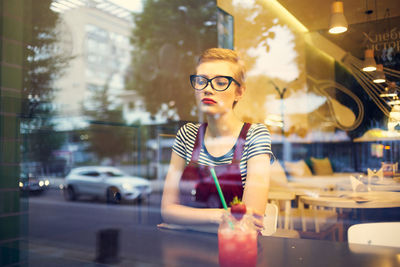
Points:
(13, 213)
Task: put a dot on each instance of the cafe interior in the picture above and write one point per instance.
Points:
(106, 83)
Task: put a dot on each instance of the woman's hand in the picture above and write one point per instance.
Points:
(258, 219)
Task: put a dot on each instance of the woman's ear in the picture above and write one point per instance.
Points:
(240, 92)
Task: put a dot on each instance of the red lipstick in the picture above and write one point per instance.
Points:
(208, 101)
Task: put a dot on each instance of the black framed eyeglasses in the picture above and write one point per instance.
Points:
(218, 83)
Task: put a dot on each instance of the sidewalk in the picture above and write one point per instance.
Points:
(42, 254)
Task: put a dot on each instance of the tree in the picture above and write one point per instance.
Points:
(167, 37)
(43, 64)
(108, 135)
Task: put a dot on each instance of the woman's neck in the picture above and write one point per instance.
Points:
(223, 125)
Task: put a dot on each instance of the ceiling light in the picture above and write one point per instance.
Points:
(388, 95)
(379, 76)
(390, 91)
(369, 61)
(394, 103)
(338, 21)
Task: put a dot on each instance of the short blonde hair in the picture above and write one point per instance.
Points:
(226, 55)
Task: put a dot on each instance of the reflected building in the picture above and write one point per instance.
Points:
(96, 35)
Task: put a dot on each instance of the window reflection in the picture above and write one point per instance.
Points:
(280, 49)
(89, 83)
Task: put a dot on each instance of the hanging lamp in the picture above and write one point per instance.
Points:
(338, 21)
(369, 61)
(390, 90)
(379, 76)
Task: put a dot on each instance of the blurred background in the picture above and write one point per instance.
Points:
(102, 83)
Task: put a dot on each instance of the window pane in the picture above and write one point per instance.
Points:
(101, 89)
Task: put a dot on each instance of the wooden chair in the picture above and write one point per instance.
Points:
(314, 222)
(282, 199)
(319, 223)
(271, 226)
(375, 234)
(270, 220)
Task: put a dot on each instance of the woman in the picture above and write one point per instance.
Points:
(238, 152)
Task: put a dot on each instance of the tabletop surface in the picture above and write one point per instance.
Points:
(349, 199)
(375, 184)
(188, 248)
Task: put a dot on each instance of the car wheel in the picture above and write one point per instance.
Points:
(213, 202)
(70, 194)
(113, 196)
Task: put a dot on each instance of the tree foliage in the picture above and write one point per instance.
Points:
(108, 135)
(167, 37)
(43, 64)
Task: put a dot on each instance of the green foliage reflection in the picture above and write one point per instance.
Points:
(167, 37)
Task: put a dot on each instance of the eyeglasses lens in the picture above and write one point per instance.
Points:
(217, 83)
(199, 82)
(220, 83)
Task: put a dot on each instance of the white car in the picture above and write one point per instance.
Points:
(105, 182)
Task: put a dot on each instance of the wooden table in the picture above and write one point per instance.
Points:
(354, 200)
(180, 248)
(385, 184)
(335, 199)
(348, 199)
(287, 195)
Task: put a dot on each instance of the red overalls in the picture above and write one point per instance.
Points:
(197, 187)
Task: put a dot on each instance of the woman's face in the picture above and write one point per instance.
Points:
(214, 102)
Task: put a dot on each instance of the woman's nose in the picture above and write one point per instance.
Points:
(208, 88)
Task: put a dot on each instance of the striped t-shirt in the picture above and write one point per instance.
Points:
(257, 142)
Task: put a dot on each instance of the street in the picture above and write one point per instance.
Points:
(70, 229)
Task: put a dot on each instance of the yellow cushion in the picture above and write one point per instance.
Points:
(321, 166)
(298, 169)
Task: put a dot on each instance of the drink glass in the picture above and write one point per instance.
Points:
(237, 242)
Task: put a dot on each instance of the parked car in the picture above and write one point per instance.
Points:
(30, 183)
(105, 182)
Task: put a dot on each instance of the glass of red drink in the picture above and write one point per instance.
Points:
(237, 242)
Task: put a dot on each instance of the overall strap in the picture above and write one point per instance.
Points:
(197, 143)
(237, 155)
